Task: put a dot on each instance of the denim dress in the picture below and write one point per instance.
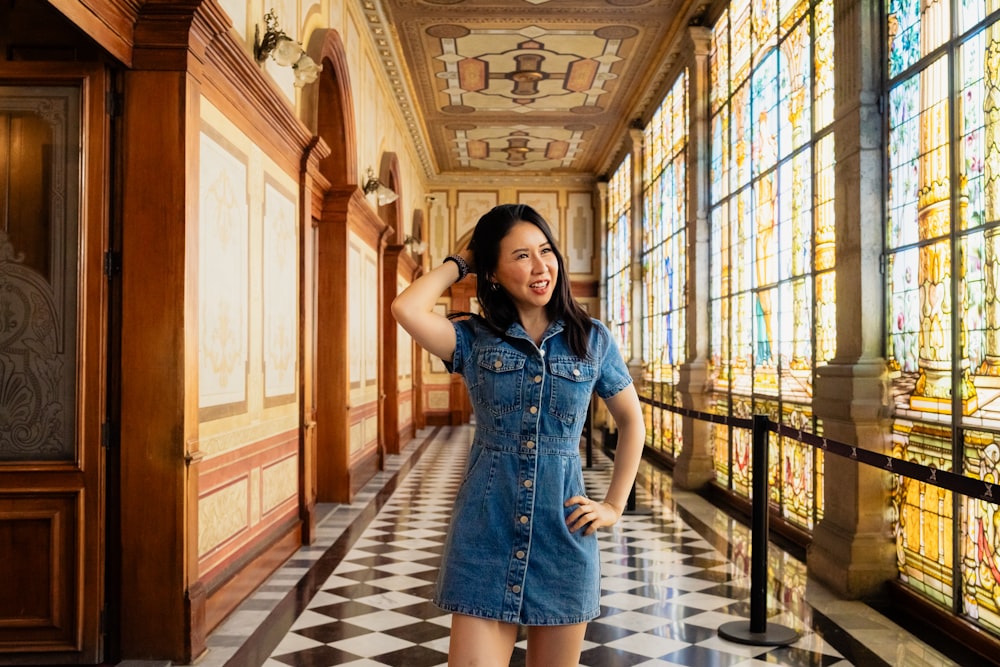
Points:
(509, 554)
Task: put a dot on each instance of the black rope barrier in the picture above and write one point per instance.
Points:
(967, 486)
(758, 631)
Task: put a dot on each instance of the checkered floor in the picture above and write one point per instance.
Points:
(665, 588)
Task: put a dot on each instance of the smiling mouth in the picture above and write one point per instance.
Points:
(539, 285)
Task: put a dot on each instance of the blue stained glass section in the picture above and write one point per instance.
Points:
(904, 34)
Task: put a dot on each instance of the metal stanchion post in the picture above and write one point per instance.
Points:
(758, 631)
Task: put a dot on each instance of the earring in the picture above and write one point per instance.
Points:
(494, 285)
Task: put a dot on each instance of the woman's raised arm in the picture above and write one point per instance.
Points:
(413, 309)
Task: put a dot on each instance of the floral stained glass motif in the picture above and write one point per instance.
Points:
(664, 263)
(771, 296)
(619, 257)
(942, 241)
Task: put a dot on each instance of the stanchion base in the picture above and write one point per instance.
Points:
(774, 634)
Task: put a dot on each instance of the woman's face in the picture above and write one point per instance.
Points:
(527, 266)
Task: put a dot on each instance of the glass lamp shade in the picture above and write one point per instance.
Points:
(306, 70)
(287, 52)
(385, 195)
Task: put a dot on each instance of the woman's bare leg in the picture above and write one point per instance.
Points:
(480, 642)
(555, 645)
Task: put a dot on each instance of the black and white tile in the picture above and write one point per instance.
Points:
(671, 575)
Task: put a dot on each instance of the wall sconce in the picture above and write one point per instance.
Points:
(284, 50)
(382, 192)
(417, 247)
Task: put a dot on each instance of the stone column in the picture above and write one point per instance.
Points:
(852, 549)
(694, 462)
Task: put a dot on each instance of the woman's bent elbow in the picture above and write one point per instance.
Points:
(397, 308)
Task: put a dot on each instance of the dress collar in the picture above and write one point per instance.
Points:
(515, 330)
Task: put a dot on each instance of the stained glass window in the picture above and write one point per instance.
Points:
(771, 296)
(619, 256)
(664, 264)
(942, 240)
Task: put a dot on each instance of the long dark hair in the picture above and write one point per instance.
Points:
(497, 307)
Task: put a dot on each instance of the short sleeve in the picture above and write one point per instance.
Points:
(464, 336)
(613, 375)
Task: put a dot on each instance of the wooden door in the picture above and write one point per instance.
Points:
(53, 361)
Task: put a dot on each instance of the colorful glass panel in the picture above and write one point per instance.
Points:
(664, 259)
(718, 64)
(942, 239)
(924, 521)
(619, 257)
(772, 301)
(822, 55)
(980, 543)
(824, 246)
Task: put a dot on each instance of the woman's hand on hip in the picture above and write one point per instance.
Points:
(590, 513)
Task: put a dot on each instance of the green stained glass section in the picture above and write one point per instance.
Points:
(904, 34)
(772, 302)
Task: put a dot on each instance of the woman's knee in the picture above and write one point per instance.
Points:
(555, 645)
(480, 642)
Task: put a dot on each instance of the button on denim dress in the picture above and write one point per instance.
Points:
(509, 555)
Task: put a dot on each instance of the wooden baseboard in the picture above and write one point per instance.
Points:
(224, 597)
(438, 419)
(363, 468)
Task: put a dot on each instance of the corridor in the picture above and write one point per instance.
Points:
(672, 573)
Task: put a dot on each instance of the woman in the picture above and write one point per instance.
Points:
(521, 548)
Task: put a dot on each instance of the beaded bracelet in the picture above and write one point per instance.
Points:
(463, 266)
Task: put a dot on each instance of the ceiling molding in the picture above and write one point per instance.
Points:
(385, 45)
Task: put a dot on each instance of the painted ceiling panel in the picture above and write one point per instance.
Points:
(531, 86)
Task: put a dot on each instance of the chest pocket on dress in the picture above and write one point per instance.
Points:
(501, 373)
(572, 382)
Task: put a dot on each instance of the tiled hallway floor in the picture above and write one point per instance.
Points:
(670, 577)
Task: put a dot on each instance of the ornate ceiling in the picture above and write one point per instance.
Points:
(526, 87)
